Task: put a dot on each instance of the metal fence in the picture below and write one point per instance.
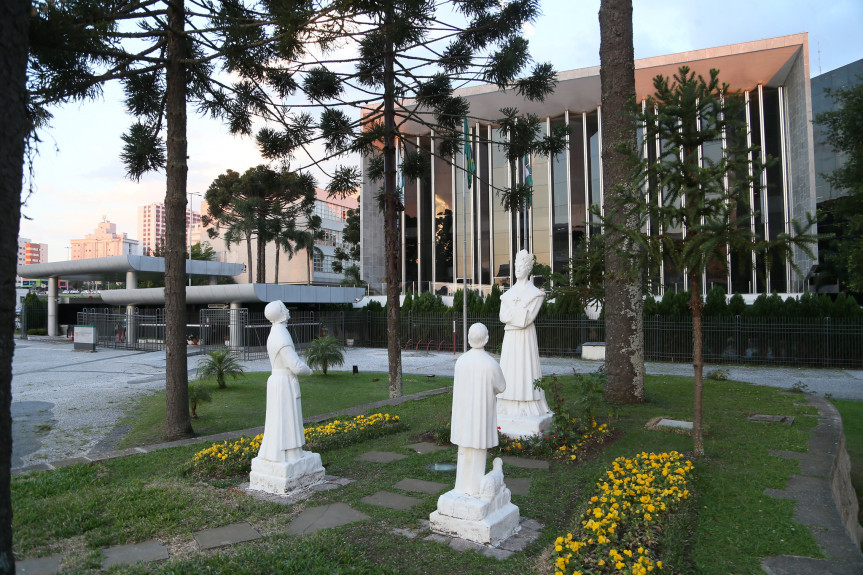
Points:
(818, 342)
(141, 330)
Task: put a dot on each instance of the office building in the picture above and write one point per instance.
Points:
(151, 226)
(105, 241)
(773, 76)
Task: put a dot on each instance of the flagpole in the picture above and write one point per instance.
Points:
(464, 240)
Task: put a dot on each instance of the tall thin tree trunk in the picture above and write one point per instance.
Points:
(695, 306)
(391, 231)
(624, 336)
(262, 260)
(249, 254)
(177, 422)
(14, 42)
(276, 276)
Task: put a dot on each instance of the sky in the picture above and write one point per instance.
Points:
(78, 177)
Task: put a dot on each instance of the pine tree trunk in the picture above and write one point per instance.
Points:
(262, 261)
(624, 336)
(14, 41)
(276, 276)
(695, 306)
(249, 255)
(391, 231)
(177, 422)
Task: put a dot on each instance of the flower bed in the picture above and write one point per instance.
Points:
(562, 445)
(619, 530)
(235, 458)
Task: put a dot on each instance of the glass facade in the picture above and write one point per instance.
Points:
(447, 227)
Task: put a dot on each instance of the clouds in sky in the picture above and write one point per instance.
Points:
(79, 177)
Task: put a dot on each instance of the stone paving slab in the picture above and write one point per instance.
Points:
(518, 485)
(762, 418)
(674, 424)
(391, 500)
(324, 517)
(133, 553)
(42, 566)
(380, 456)
(524, 463)
(227, 535)
(430, 487)
(425, 447)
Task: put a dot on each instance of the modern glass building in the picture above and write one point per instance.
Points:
(445, 226)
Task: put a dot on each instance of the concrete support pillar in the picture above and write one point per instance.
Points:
(236, 326)
(131, 327)
(53, 301)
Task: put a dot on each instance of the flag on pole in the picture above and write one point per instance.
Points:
(469, 162)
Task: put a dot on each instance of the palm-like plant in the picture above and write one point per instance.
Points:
(220, 364)
(325, 352)
(198, 393)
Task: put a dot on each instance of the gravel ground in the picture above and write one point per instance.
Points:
(67, 403)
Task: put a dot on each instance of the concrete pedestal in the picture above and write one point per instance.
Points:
(283, 477)
(487, 518)
(524, 425)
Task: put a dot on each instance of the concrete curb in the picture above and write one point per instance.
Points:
(825, 501)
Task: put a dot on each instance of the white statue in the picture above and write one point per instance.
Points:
(521, 408)
(282, 465)
(479, 508)
(478, 379)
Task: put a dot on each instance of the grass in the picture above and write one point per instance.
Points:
(243, 403)
(726, 527)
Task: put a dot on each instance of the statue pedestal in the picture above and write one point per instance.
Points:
(282, 477)
(523, 418)
(474, 519)
(488, 519)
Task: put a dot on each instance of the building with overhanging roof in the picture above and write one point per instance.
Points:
(773, 75)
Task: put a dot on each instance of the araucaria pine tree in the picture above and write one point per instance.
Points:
(380, 67)
(691, 209)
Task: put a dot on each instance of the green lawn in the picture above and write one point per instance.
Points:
(243, 404)
(726, 527)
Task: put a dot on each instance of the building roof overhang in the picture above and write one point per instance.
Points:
(114, 268)
(238, 293)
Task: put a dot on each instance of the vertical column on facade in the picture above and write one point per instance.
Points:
(52, 306)
(765, 213)
(586, 147)
(235, 326)
(568, 188)
(491, 227)
(599, 159)
(786, 189)
(432, 223)
(726, 183)
(752, 276)
(131, 327)
(419, 228)
(456, 218)
(657, 145)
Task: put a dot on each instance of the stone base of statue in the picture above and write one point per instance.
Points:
(487, 519)
(283, 477)
(523, 418)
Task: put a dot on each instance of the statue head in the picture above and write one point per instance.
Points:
(276, 312)
(477, 336)
(523, 264)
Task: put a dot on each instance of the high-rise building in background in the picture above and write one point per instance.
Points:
(104, 242)
(30, 252)
(151, 226)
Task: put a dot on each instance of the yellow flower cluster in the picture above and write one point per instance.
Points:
(359, 423)
(221, 451)
(616, 528)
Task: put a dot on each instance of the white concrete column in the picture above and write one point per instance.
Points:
(52, 306)
(236, 326)
(131, 328)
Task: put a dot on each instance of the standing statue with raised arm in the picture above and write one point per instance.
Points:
(282, 466)
(521, 408)
(479, 508)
